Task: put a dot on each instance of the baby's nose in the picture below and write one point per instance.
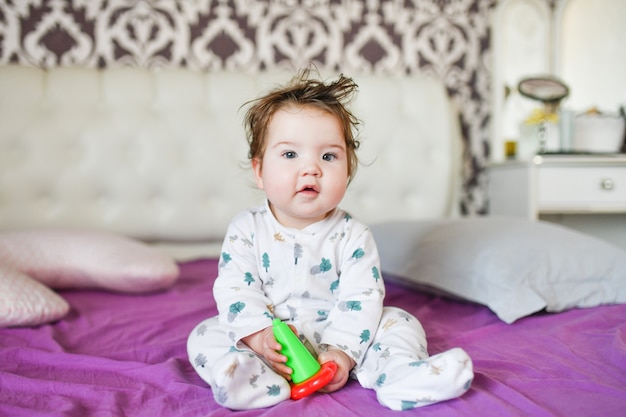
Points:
(312, 168)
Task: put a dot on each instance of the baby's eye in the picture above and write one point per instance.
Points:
(289, 154)
(329, 157)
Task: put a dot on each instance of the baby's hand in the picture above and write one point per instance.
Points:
(264, 344)
(344, 366)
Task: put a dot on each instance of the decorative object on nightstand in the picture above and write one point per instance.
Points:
(596, 131)
(541, 132)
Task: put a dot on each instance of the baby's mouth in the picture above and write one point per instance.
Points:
(308, 189)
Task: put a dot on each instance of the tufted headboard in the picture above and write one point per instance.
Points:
(161, 155)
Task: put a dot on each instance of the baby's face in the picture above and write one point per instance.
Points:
(304, 170)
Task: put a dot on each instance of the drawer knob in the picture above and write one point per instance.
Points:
(607, 184)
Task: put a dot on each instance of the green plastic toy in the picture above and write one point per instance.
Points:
(308, 375)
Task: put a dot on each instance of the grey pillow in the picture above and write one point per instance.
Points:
(516, 267)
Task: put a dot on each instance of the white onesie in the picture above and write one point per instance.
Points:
(326, 281)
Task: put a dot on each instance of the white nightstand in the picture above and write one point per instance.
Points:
(584, 192)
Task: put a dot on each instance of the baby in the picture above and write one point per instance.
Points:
(300, 258)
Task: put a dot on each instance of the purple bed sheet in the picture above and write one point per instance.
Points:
(124, 355)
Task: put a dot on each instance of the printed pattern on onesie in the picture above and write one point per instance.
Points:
(325, 279)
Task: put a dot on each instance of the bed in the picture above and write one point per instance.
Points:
(116, 188)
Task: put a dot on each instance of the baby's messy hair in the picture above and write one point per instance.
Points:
(305, 89)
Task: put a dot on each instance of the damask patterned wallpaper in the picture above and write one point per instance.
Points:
(448, 39)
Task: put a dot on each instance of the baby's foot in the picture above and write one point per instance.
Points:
(417, 383)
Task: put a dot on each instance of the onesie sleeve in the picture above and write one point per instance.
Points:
(360, 292)
(241, 302)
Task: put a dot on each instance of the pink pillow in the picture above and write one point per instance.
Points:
(32, 261)
(82, 259)
(26, 302)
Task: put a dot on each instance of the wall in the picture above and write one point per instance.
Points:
(448, 39)
(590, 53)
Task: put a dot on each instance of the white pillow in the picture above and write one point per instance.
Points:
(26, 302)
(32, 261)
(515, 267)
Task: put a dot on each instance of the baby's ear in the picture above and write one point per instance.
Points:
(257, 166)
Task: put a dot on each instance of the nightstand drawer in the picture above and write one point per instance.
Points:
(581, 188)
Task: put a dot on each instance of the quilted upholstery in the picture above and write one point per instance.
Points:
(160, 155)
